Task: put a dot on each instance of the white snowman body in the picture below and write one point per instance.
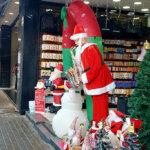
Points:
(71, 108)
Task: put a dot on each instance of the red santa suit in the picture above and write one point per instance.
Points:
(96, 77)
(57, 81)
(57, 93)
(114, 121)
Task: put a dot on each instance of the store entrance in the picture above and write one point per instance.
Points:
(14, 65)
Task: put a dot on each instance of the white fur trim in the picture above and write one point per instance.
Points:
(128, 121)
(57, 93)
(114, 117)
(86, 45)
(58, 70)
(99, 91)
(56, 104)
(77, 36)
(94, 128)
(84, 78)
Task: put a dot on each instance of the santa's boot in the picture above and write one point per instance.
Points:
(56, 104)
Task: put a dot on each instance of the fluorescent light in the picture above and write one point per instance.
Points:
(116, 0)
(147, 14)
(145, 9)
(126, 7)
(137, 18)
(11, 13)
(19, 39)
(103, 15)
(113, 10)
(86, 2)
(6, 21)
(47, 10)
(130, 13)
(137, 3)
(17, 3)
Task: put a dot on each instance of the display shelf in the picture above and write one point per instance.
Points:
(50, 54)
(121, 58)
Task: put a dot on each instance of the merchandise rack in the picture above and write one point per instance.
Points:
(121, 58)
(50, 54)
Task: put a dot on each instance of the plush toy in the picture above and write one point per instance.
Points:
(94, 128)
(55, 87)
(114, 121)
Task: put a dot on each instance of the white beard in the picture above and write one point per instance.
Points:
(78, 56)
(54, 76)
(113, 118)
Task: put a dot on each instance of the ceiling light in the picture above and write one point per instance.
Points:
(103, 15)
(86, 2)
(47, 10)
(136, 18)
(126, 7)
(113, 10)
(147, 14)
(131, 13)
(116, 0)
(17, 3)
(6, 21)
(19, 39)
(145, 9)
(137, 3)
(11, 13)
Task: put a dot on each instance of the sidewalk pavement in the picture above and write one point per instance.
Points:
(16, 131)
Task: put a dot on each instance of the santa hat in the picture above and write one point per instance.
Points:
(78, 33)
(117, 113)
(59, 68)
(41, 81)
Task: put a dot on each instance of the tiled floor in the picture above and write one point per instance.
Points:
(16, 131)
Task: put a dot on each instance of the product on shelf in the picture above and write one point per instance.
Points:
(51, 54)
(121, 58)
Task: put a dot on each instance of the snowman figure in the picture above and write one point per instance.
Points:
(71, 108)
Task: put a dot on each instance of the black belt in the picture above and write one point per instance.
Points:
(90, 67)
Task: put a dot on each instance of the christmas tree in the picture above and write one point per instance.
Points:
(140, 99)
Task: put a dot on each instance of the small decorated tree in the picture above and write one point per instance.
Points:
(140, 99)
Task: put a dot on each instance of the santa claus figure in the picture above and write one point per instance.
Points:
(40, 85)
(114, 122)
(94, 74)
(94, 127)
(57, 89)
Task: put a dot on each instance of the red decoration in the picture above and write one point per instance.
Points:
(40, 100)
